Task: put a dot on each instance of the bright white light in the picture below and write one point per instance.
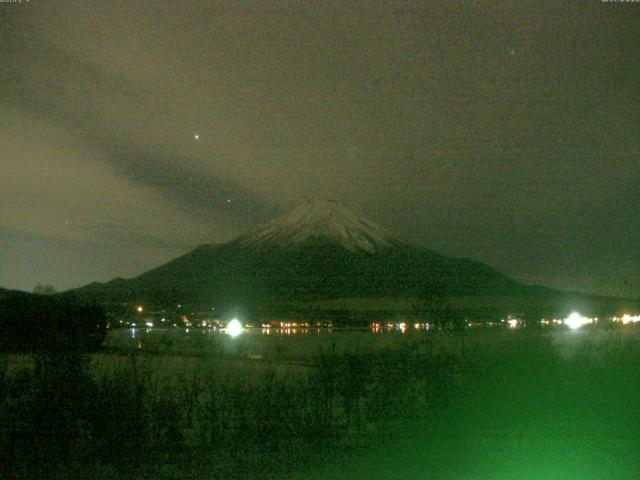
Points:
(234, 328)
(196, 137)
(149, 324)
(513, 323)
(575, 321)
(626, 318)
(139, 309)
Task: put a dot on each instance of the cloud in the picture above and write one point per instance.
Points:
(116, 121)
(482, 130)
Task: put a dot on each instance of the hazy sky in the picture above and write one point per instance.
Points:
(508, 132)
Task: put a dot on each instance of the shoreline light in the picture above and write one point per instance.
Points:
(575, 321)
(626, 318)
(234, 328)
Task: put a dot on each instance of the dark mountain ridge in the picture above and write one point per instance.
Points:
(320, 251)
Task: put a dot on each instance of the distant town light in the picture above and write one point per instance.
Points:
(234, 328)
(626, 318)
(513, 322)
(575, 321)
(139, 309)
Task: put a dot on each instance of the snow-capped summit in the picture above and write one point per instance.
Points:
(322, 221)
(319, 251)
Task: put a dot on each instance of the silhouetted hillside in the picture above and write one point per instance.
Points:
(319, 252)
(42, 323)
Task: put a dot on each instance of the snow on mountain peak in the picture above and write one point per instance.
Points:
(322, 220)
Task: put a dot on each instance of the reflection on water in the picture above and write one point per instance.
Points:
(301, 342)
(288, 341)
(294, 331)
(376, 328)
(289, 345)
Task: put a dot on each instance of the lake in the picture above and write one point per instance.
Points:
(301, 344)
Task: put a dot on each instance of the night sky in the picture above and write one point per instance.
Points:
(507, 132)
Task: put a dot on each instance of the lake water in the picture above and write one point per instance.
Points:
(530, 416)
(303, 343)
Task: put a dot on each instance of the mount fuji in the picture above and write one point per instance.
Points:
(322, 221)
(319, 251)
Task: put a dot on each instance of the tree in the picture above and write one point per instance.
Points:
(37, 323)
(41, 289)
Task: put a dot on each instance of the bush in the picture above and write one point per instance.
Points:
(46, 324)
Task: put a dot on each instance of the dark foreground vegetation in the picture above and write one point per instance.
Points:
(457, 410)
(141, 417)
(48, 324)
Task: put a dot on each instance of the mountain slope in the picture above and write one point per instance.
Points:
(320, 250)
(321, 221)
